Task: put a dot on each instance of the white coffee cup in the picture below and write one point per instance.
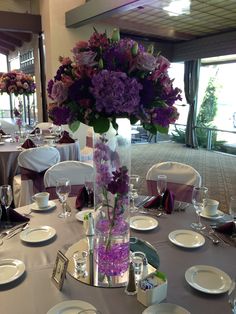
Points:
(210, 207)
(41, 199)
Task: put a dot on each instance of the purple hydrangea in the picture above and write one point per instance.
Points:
(115, 93)
(163, 115)
(61, 115)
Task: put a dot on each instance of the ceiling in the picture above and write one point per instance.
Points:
(10, 41)
(167, 20)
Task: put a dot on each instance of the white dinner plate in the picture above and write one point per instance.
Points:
(80, 215)
(10, 270)
(208, 279)
(35, 207)
(6, 136)
(71, 307)
(186, 238)
(143, 223)
(37, 234)
(165, 308)
(219, 214)
(50, 137)
(2, 143)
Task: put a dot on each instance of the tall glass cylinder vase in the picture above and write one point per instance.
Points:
(112, 163)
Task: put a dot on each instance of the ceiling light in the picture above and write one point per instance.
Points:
(178, 7)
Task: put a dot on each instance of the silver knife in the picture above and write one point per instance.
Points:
(19, 229)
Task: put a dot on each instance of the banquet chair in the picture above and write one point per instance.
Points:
(76, 171)
(86, 154)
(181, 178)
(33, 163)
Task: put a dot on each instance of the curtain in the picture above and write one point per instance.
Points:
(191, 80)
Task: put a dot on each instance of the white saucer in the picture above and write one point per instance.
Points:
(143, 223)
(186, 238)
(208, 279)
(80, 215)
(37, 234)
(165, 308)
(219, 214)
(71, 307)
(35, 207)
(10, 270)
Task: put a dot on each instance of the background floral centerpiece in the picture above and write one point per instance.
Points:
(17, 83)
(109, 79)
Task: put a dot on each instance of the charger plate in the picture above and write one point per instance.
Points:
(208, 279)
(71, 307)
(165, 308)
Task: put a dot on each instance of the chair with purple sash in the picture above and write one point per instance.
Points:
(33, 163)
(181, 178)
(76, 171)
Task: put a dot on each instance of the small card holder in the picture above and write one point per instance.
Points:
(59, 270)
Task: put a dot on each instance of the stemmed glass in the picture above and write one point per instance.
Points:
(63, 189)
(161, 185)
(133, 187)
(88, 184)
(6, 198)
(38, 133)
(232, 207)
(198, 197)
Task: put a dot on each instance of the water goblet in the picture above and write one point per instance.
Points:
(63, 189)
(6, 199)
(161, 185)
(133, 188)
(38, 133)
(232, 207)
(198, 197)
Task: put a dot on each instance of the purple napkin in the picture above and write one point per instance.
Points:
(66, 139)
(167, 202)
(13, 216)
(2, 132)
(81, 199)
(28, 144)
(228, 228)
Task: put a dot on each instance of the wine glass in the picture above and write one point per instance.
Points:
(6, 198)
(198, 197)
(161, 186)
(38, 133)
(232, 207)
(88, 184)
(133, 188)
(63, 189)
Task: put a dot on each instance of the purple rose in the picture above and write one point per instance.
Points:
(59, 92)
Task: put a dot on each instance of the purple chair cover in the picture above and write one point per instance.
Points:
(182, 192)
(36, 177)
(74, 191)
(89, 141)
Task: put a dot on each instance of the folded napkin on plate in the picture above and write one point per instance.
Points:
(228, 228)
(14, 216)
(81, 199)
(167, 202)
(33, 132)
(2, 132)
(65, 138)
(28, 144)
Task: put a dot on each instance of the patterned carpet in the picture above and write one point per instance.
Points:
(218, 170)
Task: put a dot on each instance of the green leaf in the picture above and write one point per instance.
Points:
(74, 126)
(151, 128)
(162, 129)
(114, 124)
(133, 120)
(161, 275)
(101, 125)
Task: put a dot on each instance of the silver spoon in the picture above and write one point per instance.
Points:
(214, 241)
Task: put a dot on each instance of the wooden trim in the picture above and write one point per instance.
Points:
(9, 39)
(42, 77)
(20, 22)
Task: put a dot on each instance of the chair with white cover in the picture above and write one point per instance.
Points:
(33, 163)
(87, 151)
(76, 171)
(181, 179)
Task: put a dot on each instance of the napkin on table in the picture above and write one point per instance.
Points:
(167, 202)
(66, 138)
(228, 228)
(28, 144)
(14, 216)
(81, 199)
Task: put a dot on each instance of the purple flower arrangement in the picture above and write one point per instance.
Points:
(111, 78)
(17, 83)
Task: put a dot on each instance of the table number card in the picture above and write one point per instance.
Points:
(59, 270)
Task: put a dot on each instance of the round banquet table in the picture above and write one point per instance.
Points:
(35, 293)
(10, 151)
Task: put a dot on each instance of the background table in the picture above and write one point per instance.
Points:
(35, 293)
(10, 151)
